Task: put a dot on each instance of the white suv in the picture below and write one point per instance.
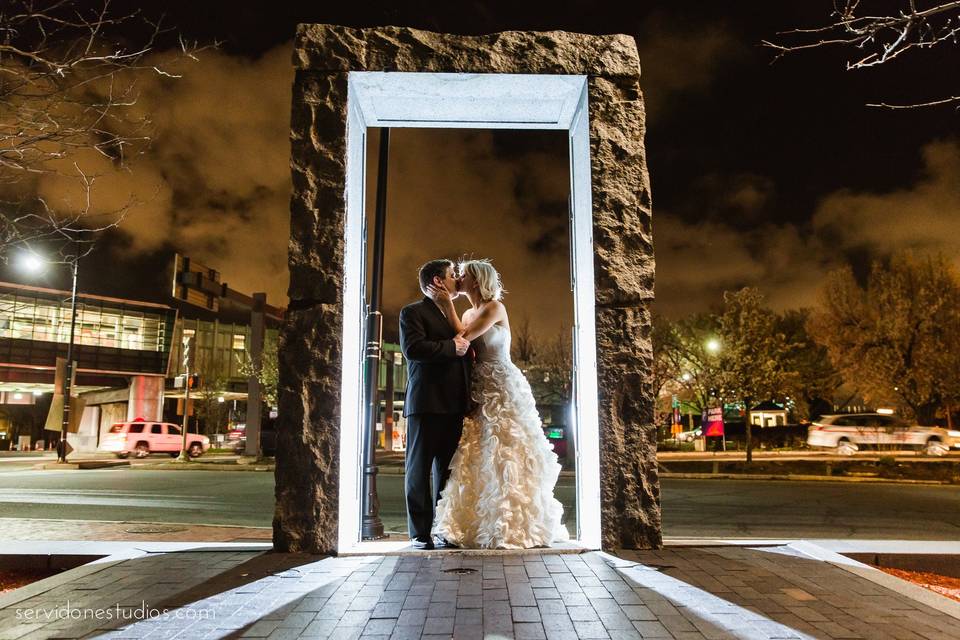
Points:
(848, 433)
(143, 438)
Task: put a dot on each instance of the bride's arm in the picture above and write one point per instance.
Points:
(479, 324)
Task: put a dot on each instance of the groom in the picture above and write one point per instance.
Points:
(438, 394)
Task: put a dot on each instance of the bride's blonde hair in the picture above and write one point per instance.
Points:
(488, 280)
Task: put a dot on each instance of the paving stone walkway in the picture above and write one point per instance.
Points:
(703, 593)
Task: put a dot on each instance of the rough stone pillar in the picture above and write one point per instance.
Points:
(307, 473)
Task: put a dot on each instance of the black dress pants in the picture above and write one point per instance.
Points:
(432, 440)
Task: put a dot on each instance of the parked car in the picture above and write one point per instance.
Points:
(689, 436)
(143, 438)
(850, 432)
(955, 438)
(237, 439)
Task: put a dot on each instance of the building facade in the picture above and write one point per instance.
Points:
(129, 357)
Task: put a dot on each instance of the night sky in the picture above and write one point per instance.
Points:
(767, 175)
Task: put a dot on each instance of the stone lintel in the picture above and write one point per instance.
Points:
(332, 48)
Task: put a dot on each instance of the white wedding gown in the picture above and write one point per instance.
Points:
(500, 491)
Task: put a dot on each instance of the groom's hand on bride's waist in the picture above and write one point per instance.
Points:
(461, 344)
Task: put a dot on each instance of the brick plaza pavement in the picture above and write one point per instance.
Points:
(684, 593)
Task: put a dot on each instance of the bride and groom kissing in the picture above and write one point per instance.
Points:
(472, 421)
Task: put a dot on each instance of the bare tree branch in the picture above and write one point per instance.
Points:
(877, 39)
(69, 72)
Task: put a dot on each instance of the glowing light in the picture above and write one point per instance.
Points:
(472, 101)
(713, 345)
(31, 262)
(18, 396)
(686, 377)
(221, 399)
(886, 412)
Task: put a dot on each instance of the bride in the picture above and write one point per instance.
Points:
(500, 491)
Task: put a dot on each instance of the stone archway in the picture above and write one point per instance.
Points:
(312, 364)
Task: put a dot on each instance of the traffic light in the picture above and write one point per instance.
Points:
(193, 381)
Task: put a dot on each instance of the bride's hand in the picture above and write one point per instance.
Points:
(440, 294)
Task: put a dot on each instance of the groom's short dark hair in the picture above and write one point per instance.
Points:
(433, 269)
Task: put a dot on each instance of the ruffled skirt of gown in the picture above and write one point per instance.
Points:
(500, 491)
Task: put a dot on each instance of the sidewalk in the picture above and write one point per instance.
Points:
(33, 529)
(786, 590)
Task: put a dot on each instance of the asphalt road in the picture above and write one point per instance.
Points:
(691, 508)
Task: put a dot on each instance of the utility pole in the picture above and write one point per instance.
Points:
(371, 526)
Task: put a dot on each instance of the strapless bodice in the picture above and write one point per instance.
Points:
(494, 345)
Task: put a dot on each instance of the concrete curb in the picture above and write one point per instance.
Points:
(139, 522)
(204, 466)
(797, 478)
(81, 464)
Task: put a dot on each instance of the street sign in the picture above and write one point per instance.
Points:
(714, 422)
(188, 353)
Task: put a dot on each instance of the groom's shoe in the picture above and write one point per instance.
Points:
(443, 543)
(422, 544)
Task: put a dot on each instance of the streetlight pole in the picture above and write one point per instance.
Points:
(33, 262)
(65, 421)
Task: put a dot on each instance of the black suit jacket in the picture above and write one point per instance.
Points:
(438, 380)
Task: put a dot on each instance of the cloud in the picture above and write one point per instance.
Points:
(925, 216)
(697, 262)
(215, 182)
(675, 58)
(731, 246)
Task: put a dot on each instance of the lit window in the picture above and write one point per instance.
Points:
(239, 342)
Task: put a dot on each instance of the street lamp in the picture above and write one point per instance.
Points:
(713, 345)
(33, 263)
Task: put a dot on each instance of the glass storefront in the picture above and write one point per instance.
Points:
(111, 335)
(27, 316)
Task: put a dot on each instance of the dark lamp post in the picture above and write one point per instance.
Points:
(371, 526)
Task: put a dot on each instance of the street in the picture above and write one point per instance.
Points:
(691, 508)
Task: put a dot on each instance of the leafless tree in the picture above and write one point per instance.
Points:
(877, 39)
(68, 92)
(524, 342)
